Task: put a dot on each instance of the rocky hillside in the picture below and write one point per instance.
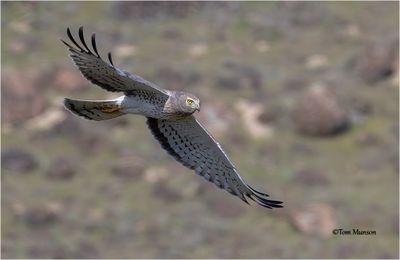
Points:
(303, 96)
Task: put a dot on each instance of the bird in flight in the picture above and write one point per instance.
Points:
(169, 117)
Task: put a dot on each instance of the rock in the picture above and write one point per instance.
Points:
(21, 27)
(317, 112)
(311, 178)
(316, 61)
(18, 209)
(351, 31)
(92, 141)
(268, 116)
(360, 110)
(315, 219)
(362, 107)
(20, 99)
(42, 216)
(198, 50)
(155, 174)
(163, 191)
(70, 126)
(377, 61)
(217, 117)
(18, 160)
(62, 168)
(128, 168)
(250, 113)
(46, 120)
(18, 47)
(68, 79)
(192, 189)
(262, 46)
(124, 51)
(96, 214)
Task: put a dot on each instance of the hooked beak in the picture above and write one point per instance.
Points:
(198, 106)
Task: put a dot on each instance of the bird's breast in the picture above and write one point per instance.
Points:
(141, 104)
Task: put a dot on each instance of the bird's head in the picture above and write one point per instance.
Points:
(188, 103)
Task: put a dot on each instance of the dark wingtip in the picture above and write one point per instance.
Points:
(262, 198)
(245, 201)
(256, 191)
(73, 40)
(69, 46)
(269, 203)
(94, 45)
(275, 203)
(69, 33)
(264, 201)
(110, 58)
(80, 32)
(82, 38)
(67, 104)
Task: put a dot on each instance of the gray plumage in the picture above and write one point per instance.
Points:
(169, 117)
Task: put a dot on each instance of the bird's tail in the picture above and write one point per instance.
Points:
(94, 109)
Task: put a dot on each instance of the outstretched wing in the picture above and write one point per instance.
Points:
(190, 144)
(104, 74)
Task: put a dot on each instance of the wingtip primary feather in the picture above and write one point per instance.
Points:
(94, 45)
(73, 40)
(262, 198)
(68, 45)
(266, 202)
(68, 104)
(82, 38)
(85, 48)
(258, 192)
(110, 59)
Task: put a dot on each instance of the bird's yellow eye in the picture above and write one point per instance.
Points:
(189, 101)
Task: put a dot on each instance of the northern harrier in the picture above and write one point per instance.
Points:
(169, 117)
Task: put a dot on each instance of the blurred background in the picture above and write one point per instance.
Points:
(303, 96)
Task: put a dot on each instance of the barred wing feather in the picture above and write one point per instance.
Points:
(190, 144)
(104, 74)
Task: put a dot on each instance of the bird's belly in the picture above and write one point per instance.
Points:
(142, 106)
